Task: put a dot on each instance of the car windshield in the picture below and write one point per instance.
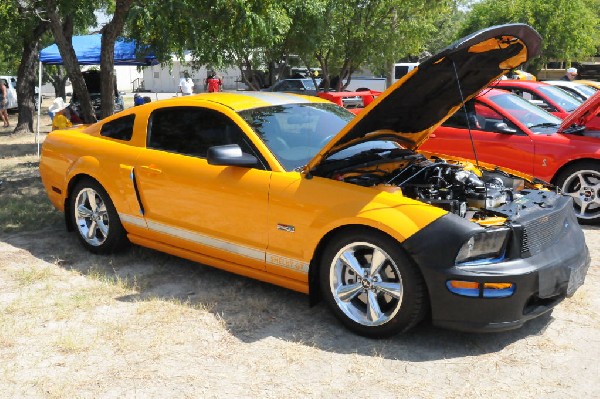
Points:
(535, 118)
(587, 90)
(309, 84)
(296, 132)
(560, 97)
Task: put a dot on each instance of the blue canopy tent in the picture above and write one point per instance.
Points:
(87, 49)
(88, 52)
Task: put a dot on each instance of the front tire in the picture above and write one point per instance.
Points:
(371, 285)
(582, 182)
(95, 218)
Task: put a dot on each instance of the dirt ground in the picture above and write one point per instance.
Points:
(148, 325)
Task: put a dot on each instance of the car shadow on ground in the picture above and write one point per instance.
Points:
(253, 310)
(18, 150)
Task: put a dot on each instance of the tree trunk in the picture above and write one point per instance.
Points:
(27, 79)
(248, 75)
(110, 31)
(63, 38)
(59, 80)
(390, 73)
(323, 62)
(345, 74)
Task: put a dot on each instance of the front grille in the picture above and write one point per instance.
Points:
(543, 231)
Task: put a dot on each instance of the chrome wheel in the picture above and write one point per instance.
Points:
(91, 217)
(584, 186)
(366, 284)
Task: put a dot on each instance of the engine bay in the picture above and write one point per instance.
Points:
(459, 188)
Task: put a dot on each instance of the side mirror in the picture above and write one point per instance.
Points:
(230, 155)
(502, 127)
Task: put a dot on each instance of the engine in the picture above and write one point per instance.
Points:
(446, 185)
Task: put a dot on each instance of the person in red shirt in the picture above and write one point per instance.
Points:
(213, 83)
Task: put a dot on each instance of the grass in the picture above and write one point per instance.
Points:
(23, 201)
(31, 275)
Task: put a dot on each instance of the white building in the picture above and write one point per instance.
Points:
(165, 79)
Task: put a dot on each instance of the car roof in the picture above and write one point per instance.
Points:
(565, 83)
(520, 83)
(299, 79)
(240, 101)
(489, 92)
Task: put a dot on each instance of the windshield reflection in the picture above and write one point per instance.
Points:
(535, 118)
(296, 132)
(565, 100)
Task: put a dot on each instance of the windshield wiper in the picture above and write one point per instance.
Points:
(364, 158)
(545, 124)
(575, 129)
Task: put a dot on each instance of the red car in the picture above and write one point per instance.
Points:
(551, 98)
(354, 101)
(510, 132)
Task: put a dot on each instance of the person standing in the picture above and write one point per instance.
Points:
(570, 75)
(186, 85)
(3, 104)
(213, 83)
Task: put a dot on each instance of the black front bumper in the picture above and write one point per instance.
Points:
(542, 279)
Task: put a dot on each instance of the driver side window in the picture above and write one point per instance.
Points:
(192, 130)
(464, 118)
(491, 121)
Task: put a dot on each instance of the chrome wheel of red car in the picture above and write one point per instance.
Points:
(582, 183)
(95, 218)
(371, 285)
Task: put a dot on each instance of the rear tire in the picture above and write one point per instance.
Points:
(581, 181)
(371, 285)
(95, 218)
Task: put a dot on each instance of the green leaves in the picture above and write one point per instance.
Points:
(570, 28)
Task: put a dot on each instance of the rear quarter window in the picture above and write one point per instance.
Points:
(120, 129)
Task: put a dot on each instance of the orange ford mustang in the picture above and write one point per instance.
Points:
(294, 191)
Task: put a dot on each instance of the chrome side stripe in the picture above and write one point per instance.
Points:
(207, 240)
(135, 220)
(226, 246)
(287, 263)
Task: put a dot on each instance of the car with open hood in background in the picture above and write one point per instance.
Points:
(93, 84)
(501, 128)
(354, 101)
(296, 191)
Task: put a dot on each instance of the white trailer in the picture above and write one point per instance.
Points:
(358, 83)
(10, 82)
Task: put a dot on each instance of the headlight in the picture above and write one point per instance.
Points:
(485, 247)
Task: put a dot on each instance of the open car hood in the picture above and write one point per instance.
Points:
(410, 109)
(583, 114)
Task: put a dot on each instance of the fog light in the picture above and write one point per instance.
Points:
(480, 290)
(464, 288)
(498, 290)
